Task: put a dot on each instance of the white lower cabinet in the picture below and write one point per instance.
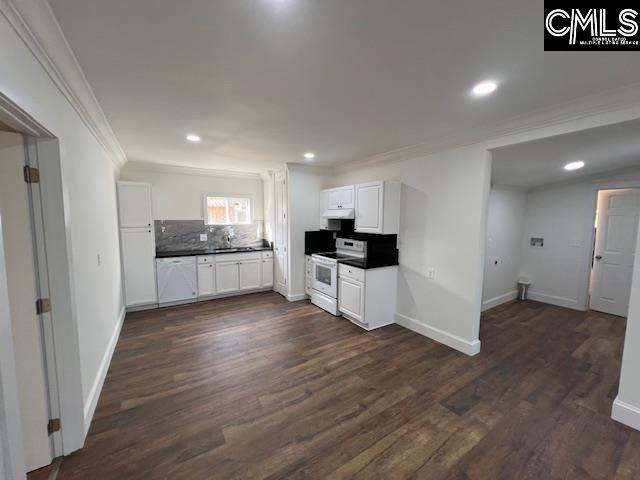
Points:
(206, 279)
(227, 276)
(367, 297)
(351, 298)
(267, 271)
(250, 274)
(308, 275)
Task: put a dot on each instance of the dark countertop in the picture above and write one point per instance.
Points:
(371, 262)
(195, 253)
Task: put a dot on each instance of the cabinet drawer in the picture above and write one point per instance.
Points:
(206, 259)
(351, 272)
(267, 254)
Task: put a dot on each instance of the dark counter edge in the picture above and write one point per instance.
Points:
(198, 253)
(368, 263)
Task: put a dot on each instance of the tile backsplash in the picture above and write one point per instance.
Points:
(184, 235)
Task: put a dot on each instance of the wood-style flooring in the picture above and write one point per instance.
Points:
(255, 387)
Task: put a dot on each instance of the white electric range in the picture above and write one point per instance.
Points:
(324, 281)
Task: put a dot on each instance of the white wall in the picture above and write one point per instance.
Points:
(505, 227)
(563, 215)
(177, 195)
(442, 226)
(626, 408)
(89, 187)
(269, 206)
(304, 215)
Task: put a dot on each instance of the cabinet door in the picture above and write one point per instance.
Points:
(335, 198)
(139, 266)
(351, 298)
(134, 204)
(267, 272)
(347, 197)
(369, 207)
(227, 277)
(250, 275)
(206, 279)
(324, 205)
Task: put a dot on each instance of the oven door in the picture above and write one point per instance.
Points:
(325, 277)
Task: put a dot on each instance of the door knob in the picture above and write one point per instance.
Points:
(598, 257)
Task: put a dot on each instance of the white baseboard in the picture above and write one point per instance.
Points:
(553, 300)
(499, 300)
(468, 347)
(625, 413)
(297, 297)
(96, 388)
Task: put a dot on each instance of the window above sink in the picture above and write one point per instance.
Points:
(227, 209)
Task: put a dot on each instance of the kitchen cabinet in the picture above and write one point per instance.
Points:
(341, 197)
(227, 276)
(267, 269)
(250, 274)
(137, 243)
(378, 207)
(324, 206)
(138, 252)
(134, 205)
(367, 297)
(206, 277)
(308, 275)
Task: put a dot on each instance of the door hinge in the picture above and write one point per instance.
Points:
(43, 305)
(53, 426)
(31, 174)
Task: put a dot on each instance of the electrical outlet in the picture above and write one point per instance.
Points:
(99, 260)
(203, 237)
(431, 273)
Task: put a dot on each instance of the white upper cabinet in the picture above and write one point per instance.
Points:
(134, 204)
(341, 197)
(378, 207)
(324, 206)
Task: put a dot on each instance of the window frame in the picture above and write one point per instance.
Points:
(226, 196)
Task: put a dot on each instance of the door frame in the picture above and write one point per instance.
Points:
(52, 235)
(591, 236)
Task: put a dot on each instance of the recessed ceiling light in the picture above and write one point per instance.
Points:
(574, 166)
(309, 155)
(484, 88)
(192, 137)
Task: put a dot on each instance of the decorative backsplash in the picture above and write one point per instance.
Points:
(184, 235)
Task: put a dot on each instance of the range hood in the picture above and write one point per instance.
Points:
(339, 214)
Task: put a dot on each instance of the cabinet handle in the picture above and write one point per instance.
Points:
(149, 231)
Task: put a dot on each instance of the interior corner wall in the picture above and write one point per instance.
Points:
(505, 228)
(88, 177)
(442, 226)
(269, 206)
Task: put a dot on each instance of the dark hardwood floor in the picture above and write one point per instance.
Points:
(255, 387)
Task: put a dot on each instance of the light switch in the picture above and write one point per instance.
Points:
(431, 273)
(203, 237)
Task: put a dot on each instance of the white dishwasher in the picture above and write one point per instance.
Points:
(177, 279)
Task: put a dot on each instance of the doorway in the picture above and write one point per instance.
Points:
(23, 287)
(616, 230)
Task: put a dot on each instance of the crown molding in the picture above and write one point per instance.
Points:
(137, 166)
(37, 26)
(612, 106)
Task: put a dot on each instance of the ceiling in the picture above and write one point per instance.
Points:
(263, 81)
(540, 162)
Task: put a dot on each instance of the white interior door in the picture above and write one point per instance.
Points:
(23, 292)
(280, 248)
(616, 234)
